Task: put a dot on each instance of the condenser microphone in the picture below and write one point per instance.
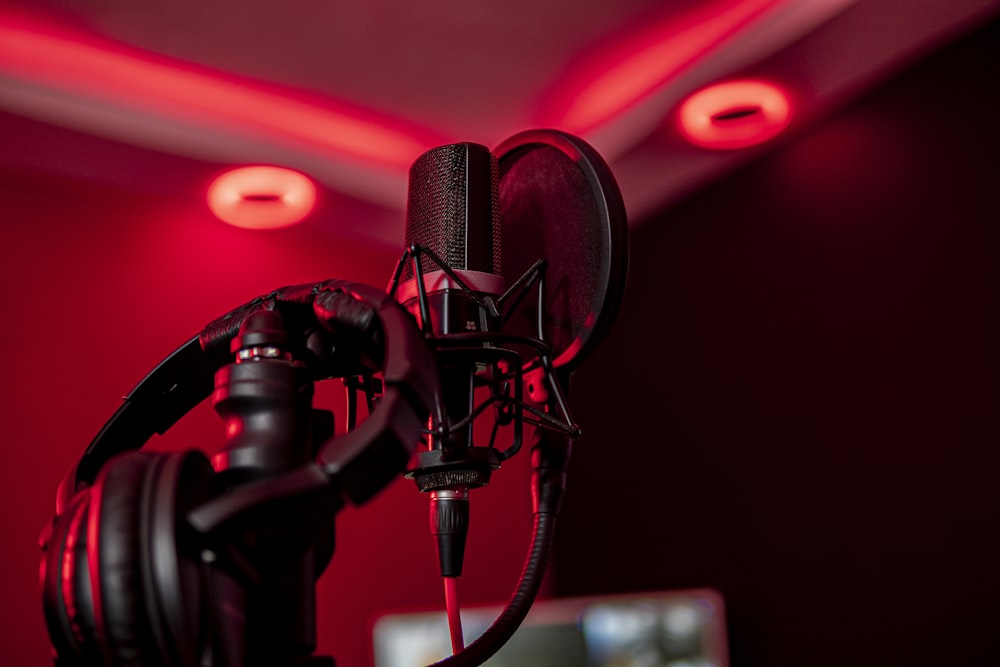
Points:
(451, 285)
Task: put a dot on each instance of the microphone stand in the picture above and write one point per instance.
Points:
(265, 400)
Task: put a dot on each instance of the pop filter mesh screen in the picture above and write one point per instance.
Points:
(549, 211)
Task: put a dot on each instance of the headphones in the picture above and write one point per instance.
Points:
(178, 560)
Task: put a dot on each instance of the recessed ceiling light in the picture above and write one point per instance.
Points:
(734, 114)
(261, 197)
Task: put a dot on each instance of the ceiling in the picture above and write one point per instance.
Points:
(352, 93)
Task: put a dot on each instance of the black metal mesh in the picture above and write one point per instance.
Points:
(453, 207)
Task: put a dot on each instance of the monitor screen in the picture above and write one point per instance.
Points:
(684, 628)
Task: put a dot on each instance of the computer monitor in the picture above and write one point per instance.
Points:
(681, 628)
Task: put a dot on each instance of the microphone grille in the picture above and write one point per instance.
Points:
(453, 207)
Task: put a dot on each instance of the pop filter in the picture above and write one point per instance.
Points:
(560, 202)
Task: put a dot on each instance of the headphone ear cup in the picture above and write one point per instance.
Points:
(119, 497)
(65, 579)
(174, 576)
(147, 590)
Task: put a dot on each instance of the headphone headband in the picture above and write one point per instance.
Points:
(311, 311)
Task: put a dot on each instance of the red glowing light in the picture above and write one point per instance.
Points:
(736, 114)
(261, 197)
(622, 75)
(142, 81)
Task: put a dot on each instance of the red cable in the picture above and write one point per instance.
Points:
(454, 616)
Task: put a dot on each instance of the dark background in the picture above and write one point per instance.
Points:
(799, 403)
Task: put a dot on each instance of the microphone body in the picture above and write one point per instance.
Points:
(453, 212)
(452, 219)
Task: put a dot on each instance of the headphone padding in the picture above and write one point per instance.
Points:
(172, 579)
(115, 552)
(69, 610)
